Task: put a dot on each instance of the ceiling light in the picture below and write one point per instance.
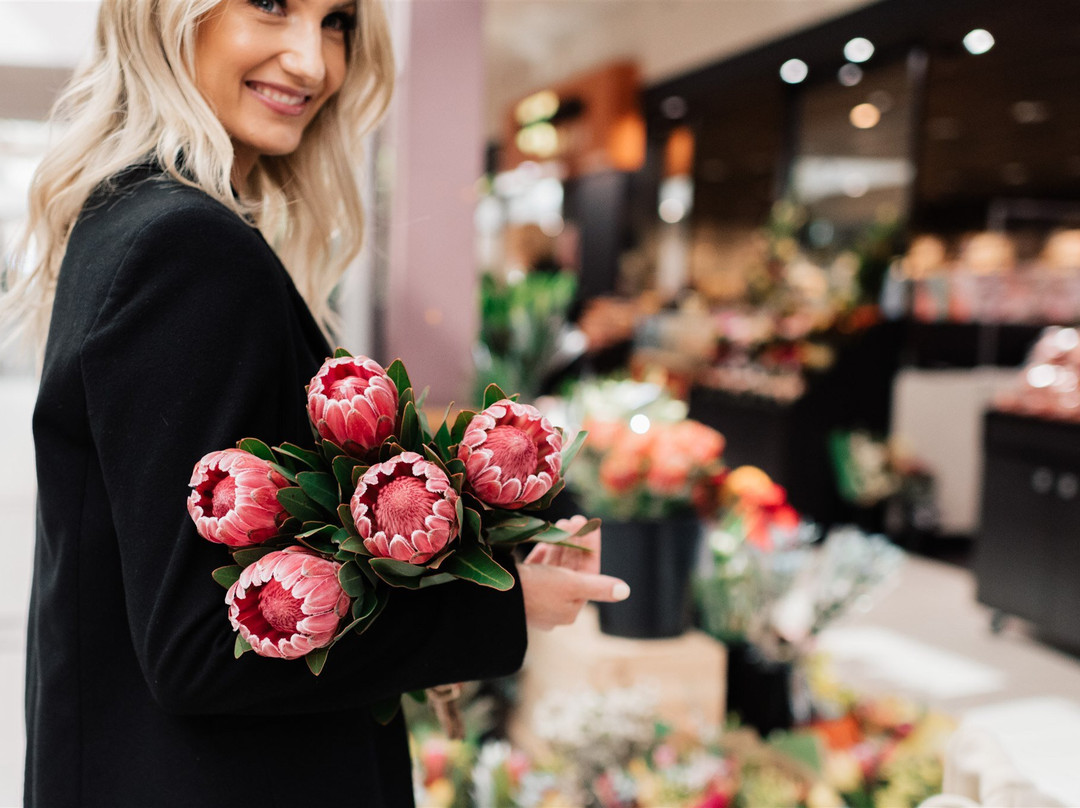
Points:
(858, 49)
(849, 75)
(865, 116)
(794, 71)
(978, 41)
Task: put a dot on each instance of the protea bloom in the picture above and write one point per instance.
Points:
(288, 603)
(405, 509)
(352, 402)
(233, 499)
(512, 454)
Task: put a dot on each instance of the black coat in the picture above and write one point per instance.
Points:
(176, 331)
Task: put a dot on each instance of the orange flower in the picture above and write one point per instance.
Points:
(669, 472)
(760, 503)
(603, 434)
(703, 445)
(750, 484)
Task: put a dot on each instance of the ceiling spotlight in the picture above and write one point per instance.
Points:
(865, 116)
(849, 75)
(858, 49)
(794, 71)
(978, 41)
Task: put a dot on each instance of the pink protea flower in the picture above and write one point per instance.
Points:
(233, 498)
(512, 454)
(405, 509)
(352, 402)
(288, 603)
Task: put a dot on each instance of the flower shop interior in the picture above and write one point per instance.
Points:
(808, 274)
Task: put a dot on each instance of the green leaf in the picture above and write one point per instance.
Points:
(410, 429)
(256, 447)
(343, 466)
(313, 460)
(321, 487)
(249, 555)
(433, 456)
(442, 437)
(456, 466)
(460, 425)
(399, 376)
(340, 352)
(553, 535)
(284, 472)
(345, 517)
(570, 452)
(398, 573)
(290, 527)
(492, 394)
(435, 580)
(227, 576)
(513, 531)
(300, 505)
(354, 544)
(352, 579)
(422, 398)
(365, 610)
(330, 450)
(316, 660)
(472, 523)
(474, 564)
(320, 539)
(241, 646)
(385, 710)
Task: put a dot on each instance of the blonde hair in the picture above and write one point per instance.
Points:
(136, 97)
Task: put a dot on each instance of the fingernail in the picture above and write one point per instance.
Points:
(620, 591)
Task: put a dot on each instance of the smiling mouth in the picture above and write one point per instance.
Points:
(295, 100)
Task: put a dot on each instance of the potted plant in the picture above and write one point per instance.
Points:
(652, 478)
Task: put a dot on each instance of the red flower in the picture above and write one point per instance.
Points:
(512, 454)
(405, 509)
(352, 402)
(288, 603)
(233, 500)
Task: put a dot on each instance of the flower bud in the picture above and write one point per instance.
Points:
(233, 500)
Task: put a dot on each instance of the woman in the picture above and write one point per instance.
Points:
(199, 126)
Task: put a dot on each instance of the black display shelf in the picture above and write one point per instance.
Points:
(1027, 556)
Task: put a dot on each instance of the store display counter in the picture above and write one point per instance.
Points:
(1027, 560)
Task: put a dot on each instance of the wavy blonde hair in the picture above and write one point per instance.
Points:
(136, 97)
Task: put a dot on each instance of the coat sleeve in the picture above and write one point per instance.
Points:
(185, 357)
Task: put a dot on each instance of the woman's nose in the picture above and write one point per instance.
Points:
(303, 55)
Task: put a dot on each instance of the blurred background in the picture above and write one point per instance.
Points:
(844, 235)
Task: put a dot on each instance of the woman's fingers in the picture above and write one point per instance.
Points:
(605, 588)
(540, 554)
(586, 559)
(554, 595)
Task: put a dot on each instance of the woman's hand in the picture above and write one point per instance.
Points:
(558, 581)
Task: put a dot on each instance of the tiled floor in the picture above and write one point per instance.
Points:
(925, 637)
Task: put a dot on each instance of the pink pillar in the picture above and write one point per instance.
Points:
(437, 143)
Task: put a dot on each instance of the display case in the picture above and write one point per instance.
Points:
(1027, 559)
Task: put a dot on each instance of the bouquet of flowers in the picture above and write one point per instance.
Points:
(320, 535)
(769, 585)
(647, 461)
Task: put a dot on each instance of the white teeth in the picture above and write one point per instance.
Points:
(280, 97)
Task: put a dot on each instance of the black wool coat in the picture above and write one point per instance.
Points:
(176, 331)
